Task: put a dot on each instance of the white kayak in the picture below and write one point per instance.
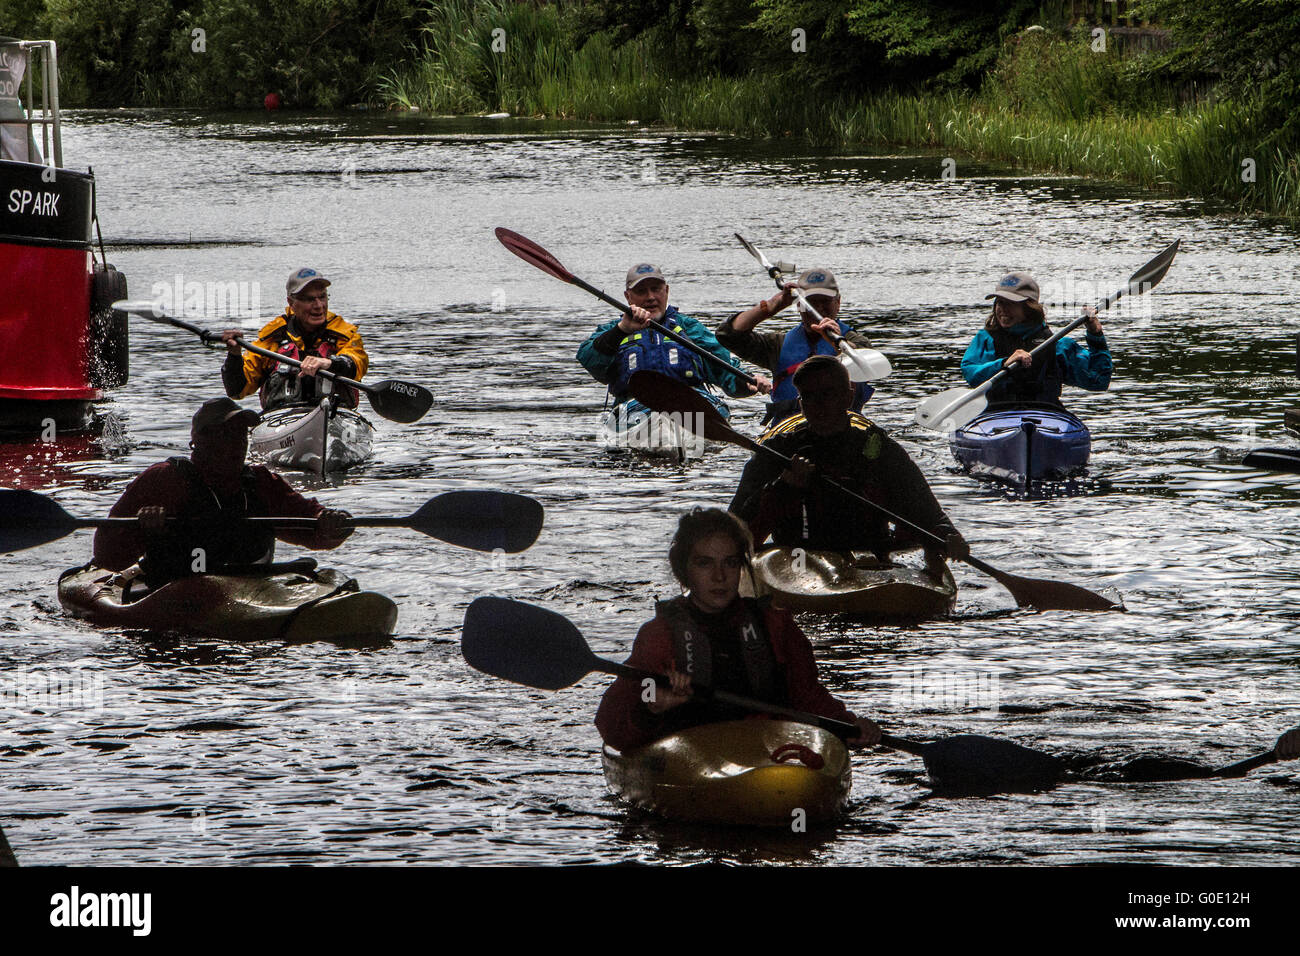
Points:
(630, 426)
(315, 438)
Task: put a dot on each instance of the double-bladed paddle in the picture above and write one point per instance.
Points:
(864, 365)
(539, 648)
(481, 520)
(1274, 459)
(403, 402)
(535, 255)
(958, 406)
(663, 394)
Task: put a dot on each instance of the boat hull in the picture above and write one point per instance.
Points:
(313, 438)
(769, 773)
(856, 583)
(307, 604)
(1023, 444)
(631, 426)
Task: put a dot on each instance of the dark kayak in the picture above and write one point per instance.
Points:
(1017, 445)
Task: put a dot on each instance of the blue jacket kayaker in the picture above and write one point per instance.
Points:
(1016, 325)
(617, 349)
(783, 352)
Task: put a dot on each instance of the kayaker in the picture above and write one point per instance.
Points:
(213, 488)
(783, 352)
(827, 436)
(1016, 325)
(617, 349)
(717, 639)
(308, 332)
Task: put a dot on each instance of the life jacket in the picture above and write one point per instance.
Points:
(651, 351)
(217, 530)
(284, 386)
(795, 350)
(693, 654)
(1041, 382)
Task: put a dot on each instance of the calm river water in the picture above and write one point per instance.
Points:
(216, 752)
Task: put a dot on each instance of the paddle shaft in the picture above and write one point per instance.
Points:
(665, 331)
(834, 338)
(1244, 767)
(213, 338)
(281, 522)
(840, 728)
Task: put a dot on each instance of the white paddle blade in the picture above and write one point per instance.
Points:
(150, 310)
(865, 365)
(950, 409)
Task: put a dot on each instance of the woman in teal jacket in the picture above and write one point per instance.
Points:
(1016, 325)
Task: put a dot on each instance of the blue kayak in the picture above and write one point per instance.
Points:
(1023, 444)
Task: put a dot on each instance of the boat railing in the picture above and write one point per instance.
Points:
(18, 87)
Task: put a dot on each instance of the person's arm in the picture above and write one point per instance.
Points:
(232, 376)
(1088, 368)
(120, 546)
(909, 496)
(762, 499)
(981, 362)
(732, 384)
(758, 348)
(856, 339)
(804, 689)
(623, 718)
(282, 501)
(351, 360)
(599, 352)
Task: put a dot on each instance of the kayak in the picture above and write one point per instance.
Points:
(294, 601)
(742, 772)
(315, 438)
(1017, 445)
(630, 426)
(857, 583)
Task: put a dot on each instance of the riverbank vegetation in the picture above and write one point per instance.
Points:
(1207, 104)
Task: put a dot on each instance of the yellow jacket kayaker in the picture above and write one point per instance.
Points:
(708, 635)
(210, 491)
(785, 503)
(308, 332)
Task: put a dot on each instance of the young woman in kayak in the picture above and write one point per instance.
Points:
(713, 637)
(1016, 325)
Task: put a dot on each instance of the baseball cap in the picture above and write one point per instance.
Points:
(218, 411)
(303, 277)
(819, 282)
(1015, 287)
(642, 271)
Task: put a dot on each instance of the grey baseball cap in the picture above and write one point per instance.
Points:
(301, 278)
(1015, 287)
(819, 282)
(642, 271)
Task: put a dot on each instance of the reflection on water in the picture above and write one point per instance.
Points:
(205, 751)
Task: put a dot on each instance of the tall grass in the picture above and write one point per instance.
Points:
(1051, 104)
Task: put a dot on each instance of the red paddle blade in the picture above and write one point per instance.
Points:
(696, 413)
(532, 253)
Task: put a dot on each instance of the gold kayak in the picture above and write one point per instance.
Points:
(857, 583)
(292, 602)
(744, 772)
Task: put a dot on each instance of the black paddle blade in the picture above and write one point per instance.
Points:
(532, 253)
(970, 764)
(1150, 274)
(1274, 459)
(525, 644)
(482, 520)
(402, 402)
(695, 412)
(28, 520)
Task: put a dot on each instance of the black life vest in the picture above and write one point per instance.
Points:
(1041, 382)
(215, 527)
(693, 652)
(284, 386)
